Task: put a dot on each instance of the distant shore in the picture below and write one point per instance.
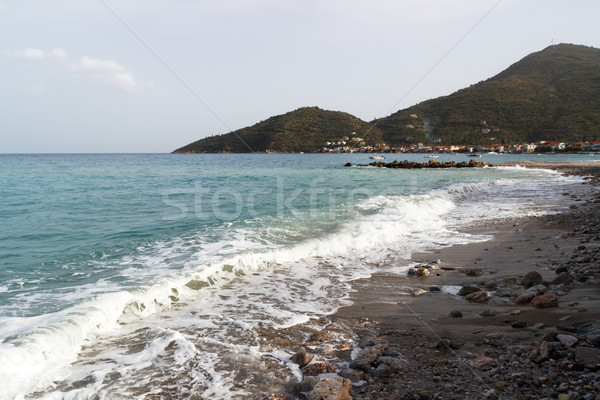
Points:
(412, 337)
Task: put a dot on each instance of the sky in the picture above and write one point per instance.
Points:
(150, 76)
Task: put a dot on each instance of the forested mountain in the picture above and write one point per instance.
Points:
(553, 94)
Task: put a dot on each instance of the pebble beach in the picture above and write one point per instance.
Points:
(515, 317)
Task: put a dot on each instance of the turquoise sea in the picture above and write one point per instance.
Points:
(122, 276)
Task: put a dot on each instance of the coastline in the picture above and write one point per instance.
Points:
(396, 341)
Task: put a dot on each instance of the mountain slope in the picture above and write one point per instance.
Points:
(305, 129)
(553, 94)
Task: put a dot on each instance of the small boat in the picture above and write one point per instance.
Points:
(431, 156)
(377, 157)
(492, 152)
(473, 155)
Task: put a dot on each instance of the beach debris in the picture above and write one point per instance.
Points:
(418, 292)
(336, 388)
(477, 297)
(455, 314)
(418, 271)
(302, 358)
(466, 290)
(531, 278)
(545, 301)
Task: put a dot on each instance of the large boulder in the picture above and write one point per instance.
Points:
(336, 388)
(589, 357)
(531, 278)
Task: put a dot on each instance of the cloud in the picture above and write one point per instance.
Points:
(107, 73)
(27, 54)
(97, 72)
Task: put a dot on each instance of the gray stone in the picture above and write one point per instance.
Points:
(538, 289)
(306, 385)
(588, 356)
(383, 371)
(531, 278)
(567, 340)
(455, 314)
(354, 375)
(519, 324)
(488, 313)
(544, 352)
(562, 278)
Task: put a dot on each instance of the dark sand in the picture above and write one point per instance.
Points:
(430, 355)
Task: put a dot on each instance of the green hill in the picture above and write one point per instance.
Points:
(553, 94)
(305, 129)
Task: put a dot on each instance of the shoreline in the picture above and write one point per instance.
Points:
(437, 345)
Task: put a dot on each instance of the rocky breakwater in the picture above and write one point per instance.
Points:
(421, 165)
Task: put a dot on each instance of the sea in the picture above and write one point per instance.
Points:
(145, 276)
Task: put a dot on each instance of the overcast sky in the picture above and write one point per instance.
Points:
(154, 75)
